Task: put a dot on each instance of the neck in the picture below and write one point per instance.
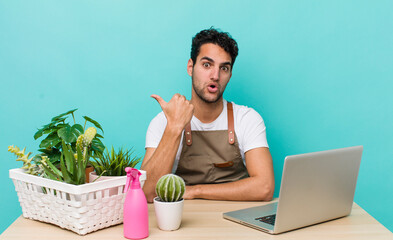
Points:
(206, 112)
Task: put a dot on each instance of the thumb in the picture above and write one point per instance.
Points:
(159, 100)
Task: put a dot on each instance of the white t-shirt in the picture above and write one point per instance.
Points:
(249, 128)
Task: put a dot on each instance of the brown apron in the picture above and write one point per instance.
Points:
(211, 156)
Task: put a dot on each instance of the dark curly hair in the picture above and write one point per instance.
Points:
(215, 36)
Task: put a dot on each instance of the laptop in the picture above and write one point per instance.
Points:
(315, 187)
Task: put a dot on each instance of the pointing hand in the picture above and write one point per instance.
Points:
(178, 111)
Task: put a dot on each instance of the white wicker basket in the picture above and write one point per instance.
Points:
(79, 208)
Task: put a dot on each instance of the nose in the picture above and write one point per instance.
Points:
(215, 74)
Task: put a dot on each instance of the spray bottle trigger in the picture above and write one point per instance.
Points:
(135, 174)
(129, 178)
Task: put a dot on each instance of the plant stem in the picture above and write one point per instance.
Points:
(84, 126)
(73, 117)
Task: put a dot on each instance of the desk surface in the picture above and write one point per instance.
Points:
(202, 219)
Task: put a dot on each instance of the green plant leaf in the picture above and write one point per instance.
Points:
(93, 122)
(81, 166)
(99, 136)
(51, 140)
(55, 119)
(55, 128)
(52, 153)
(63, 167)
(55, 158)
(47, 126)
(47, 151)
(68, 134)
(50, 174)
(77, 128)
(54, 170)
(68, 157)
(97, 145)
(50, 130)
(38, 134)
(112, 163)
(57, 146)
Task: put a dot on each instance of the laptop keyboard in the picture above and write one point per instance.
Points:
(267, 219)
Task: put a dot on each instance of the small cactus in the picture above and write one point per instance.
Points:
(85, 139)
(83, 142)
(79, 141)
(88, 136)
(170, 188)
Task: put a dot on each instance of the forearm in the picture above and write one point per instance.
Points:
(161, 162)
(248, 189)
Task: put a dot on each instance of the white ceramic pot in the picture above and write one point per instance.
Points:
(168, 214)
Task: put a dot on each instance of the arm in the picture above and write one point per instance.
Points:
(159, 161)
(259, 186)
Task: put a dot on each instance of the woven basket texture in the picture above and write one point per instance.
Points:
(82, 212)
(79, 213)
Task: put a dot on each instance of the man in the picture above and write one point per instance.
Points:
(218, 148)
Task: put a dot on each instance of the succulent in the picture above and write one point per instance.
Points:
(29, 164)
(114, 163)
(170, 188)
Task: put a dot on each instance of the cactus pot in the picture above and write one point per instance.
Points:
(168, 214)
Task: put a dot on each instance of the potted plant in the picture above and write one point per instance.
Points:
(51, 186)
(71, 167)
(112, 164)
(169, 202)
(72, 164)
(59, 130)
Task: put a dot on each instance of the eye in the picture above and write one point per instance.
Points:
(225, 68)
(206, 64)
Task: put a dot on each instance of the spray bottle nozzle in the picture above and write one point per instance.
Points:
(132, 175)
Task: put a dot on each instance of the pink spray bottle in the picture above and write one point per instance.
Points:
(135, 212)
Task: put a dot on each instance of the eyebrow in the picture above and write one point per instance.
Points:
(211, 60)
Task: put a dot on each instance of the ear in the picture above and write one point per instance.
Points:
(190, 66)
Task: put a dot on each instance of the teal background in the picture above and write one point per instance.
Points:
(319, 73)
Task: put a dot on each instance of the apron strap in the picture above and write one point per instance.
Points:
(231, 128)
(187, 132)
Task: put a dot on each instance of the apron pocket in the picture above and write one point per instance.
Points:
(224, 165)
(229, 171)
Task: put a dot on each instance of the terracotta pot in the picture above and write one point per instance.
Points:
(88, 170)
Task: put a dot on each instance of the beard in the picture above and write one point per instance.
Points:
(200, 93)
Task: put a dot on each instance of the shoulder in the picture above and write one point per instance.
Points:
(159, 119)
(158, 123)
(244, 113)
(249, 127)
(155, 130)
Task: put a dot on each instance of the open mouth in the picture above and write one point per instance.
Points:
(212, 88)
